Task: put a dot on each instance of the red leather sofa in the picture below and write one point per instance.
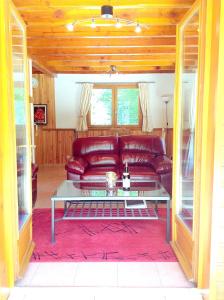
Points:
(145, 155)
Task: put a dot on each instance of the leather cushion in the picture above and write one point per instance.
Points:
(99, 144)
(136, 158)
(102, 159)
(77, 165)
(98, 173)
(142, 143)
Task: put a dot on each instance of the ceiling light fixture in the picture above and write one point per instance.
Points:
(113, 70)
(110, 20)
(107, 11)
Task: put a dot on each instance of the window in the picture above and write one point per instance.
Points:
(115, 106)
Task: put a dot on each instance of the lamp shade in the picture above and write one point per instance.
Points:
(107, 11)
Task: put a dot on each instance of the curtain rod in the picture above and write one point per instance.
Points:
(116, 82)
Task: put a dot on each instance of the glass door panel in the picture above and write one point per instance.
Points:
(20, 108)
(189, 78)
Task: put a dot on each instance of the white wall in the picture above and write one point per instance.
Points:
(67, 95)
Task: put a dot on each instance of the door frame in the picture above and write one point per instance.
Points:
(11, 262)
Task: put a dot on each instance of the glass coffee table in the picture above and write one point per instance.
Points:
(93, 200)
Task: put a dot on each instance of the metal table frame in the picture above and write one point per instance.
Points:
(76, 200)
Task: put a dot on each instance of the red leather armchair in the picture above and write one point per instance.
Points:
(34, 183)
(145, 155)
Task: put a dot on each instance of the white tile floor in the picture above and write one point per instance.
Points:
(96, 293)
(110, 274)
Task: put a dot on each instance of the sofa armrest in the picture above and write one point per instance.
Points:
(76, 165)
(162, 164)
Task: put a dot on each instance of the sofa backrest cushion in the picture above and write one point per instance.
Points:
(95, 145)
(136, 158)
(150, 144)
(100, 160)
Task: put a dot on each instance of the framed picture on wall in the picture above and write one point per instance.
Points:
(40, 114)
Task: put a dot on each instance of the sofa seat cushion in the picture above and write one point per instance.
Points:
(98, 160)
(98, 173)
(142, 173)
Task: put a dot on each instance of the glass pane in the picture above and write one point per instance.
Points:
(23, 182)
(101, 107)
(188, 117)
(127, 107)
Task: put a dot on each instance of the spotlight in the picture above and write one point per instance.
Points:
(138, 28)
(93, 24)
(70, 27)
(118, 24)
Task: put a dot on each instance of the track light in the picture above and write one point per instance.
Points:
(70, 27)
(138, 28)
(118, 24)
(110, 20)
(93, 24)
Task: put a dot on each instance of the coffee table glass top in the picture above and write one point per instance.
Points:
(92, 190)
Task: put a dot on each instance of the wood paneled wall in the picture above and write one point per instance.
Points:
(53, 145)
(44, 94)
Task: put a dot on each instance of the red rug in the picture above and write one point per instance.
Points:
(100, 240)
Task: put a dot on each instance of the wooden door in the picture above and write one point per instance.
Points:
(15, 161)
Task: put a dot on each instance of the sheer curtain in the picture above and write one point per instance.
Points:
(144, 97)
(85, 101)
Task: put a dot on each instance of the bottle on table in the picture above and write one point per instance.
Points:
(126, 178)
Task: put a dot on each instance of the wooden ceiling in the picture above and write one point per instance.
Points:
(86, 50)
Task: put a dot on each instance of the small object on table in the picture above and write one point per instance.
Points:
(126, 178)
(111, 178)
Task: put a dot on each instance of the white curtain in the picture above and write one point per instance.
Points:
(85, 102)
(144, 97)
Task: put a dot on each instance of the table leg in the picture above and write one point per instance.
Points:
(156, 205)
(168, 221)
(52, 221)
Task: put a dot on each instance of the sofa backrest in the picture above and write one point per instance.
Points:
(98, 151)
(140, 149)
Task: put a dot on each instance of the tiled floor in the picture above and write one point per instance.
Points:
(91, 274)
(85, 281)
(94, 293)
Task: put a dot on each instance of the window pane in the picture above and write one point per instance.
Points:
(101, 107)
(127, 107)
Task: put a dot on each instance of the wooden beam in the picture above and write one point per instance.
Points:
(62, 32)
(105, 70)
(102, 63)
(106, 51)
(63, 43)
(91, 4)
(112, 58)
(42, 68)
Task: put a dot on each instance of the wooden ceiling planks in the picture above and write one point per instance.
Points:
(87, 50)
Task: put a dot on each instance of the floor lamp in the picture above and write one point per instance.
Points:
(166, 100)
